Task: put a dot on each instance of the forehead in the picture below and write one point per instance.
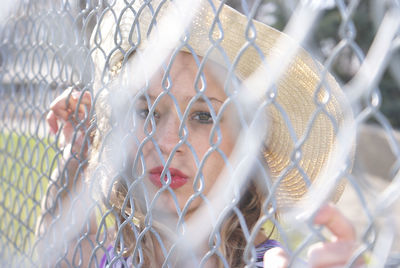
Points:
(185, 73)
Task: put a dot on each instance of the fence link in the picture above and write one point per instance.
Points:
(184, 133)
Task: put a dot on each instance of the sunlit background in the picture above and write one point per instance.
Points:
(44, 48)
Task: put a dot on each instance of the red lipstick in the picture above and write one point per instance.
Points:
(178, 178)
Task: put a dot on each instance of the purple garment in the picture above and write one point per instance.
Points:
(260, 251)
(127, 262)
(103, 261)
(262, 248)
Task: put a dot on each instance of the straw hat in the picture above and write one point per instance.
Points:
(124, 29)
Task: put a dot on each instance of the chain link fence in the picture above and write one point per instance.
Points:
(85, 141)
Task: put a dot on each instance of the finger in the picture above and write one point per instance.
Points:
(80, 144)
(330, 254)
(61, 114)
(336, 222)
(83, 97)
(61, 106)
(68, 132)
(71, 101)
(276, 258)
(81, 101)
(52, 122)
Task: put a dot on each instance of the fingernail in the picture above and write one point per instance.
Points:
(75, 94)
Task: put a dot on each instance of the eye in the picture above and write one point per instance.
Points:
(202, 117)
(142, 113)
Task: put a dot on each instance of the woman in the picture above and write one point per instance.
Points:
(179, 126)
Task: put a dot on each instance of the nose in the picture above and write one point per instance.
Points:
(167, 134)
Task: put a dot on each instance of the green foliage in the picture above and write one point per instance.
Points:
(25, 167)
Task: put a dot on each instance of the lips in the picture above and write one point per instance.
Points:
(178, 178)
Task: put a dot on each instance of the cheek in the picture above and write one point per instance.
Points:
(200, 146)
(228, 138)
(227, 144)
(229, 129)
(217, 161)
(140, 136)
(213, 167)
(147, 151)
(199, 138)
(142, 130)
(224, 139)
(139, 151)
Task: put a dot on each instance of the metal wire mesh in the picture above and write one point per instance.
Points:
(69, 199)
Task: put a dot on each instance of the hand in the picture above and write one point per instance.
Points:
(63, 111)
(335, 253)
(339, 250)
(276, 258)
(67, 196)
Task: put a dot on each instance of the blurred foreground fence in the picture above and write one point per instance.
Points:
(44, 49)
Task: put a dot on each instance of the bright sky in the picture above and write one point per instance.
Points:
(6, 7)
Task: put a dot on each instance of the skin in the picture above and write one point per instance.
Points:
(334, 253)
(199, 123)
(62, 117)
(62, 112)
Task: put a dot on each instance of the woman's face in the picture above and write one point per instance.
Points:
(183, 166)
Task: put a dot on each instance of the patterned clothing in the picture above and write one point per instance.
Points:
(260, 251)
(262, 248)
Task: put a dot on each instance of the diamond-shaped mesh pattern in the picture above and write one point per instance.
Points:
(188, 133)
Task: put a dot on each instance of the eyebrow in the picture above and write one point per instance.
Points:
(201, 100)
(188, 98)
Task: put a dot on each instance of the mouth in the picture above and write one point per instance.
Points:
(178, 178)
